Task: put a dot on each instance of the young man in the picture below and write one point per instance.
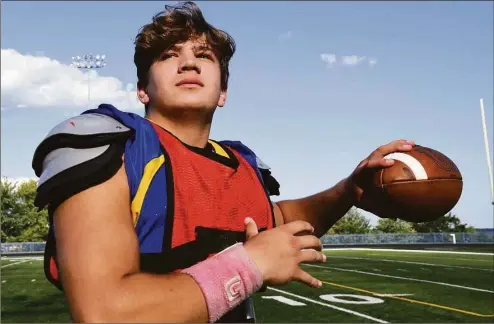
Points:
(153, 221)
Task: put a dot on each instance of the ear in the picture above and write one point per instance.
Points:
(142, 94)
(222, 99)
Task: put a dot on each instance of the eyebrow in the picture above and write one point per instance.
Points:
(196, 48)
(201, 47)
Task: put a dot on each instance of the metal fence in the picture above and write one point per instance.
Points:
(414, 238)
(480, 237)
(23, 248)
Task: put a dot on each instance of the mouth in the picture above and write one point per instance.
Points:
(190, 83)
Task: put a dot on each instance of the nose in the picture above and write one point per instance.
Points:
(189, 63)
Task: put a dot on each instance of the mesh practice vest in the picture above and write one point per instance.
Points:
(187, 203)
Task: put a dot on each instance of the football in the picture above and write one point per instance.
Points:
(421, 186)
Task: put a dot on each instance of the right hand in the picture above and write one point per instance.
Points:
(279, 251)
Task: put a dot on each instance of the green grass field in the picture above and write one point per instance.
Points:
(359, 286)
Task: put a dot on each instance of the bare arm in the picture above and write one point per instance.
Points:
(322, 210)
(99, 260)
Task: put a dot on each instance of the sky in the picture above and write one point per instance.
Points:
(315, 87)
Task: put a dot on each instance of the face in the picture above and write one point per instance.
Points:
(186, 77)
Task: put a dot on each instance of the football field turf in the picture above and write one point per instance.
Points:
(372, 286)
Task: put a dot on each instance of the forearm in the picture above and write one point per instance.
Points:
(144, 297)
(322, 210)
(162, 298)
(203, 292)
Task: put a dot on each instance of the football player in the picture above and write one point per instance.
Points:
(153, 221)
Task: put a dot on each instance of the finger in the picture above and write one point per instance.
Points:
(396, 146)
(382, 159)
(303, 277)
(388, 160)
(250, 228)
(310, 242)
(297, 227)
(311, 255)
(380, 162)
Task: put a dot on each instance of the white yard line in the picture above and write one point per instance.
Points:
(14, 258)
(403, 278)
(22, 259)
(410, 262)
(328, 305)
(11, 264)
(402, 250)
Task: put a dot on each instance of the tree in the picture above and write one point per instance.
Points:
(387, 225)
(10, 208)
(21, 220)
(354, 222)
(448, 223)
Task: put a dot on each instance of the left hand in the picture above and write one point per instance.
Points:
(362, 176)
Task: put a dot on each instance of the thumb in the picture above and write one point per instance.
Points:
(250, 228)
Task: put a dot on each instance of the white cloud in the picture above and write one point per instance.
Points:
(329, 59)
(39, 82)
(285, 36)
(352, 60)
(346, 60)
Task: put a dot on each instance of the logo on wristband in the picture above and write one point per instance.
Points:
(233, 287)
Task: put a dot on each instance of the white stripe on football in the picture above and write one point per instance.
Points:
(411, 162)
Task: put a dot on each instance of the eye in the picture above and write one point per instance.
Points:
(205, 55)
(167, 55)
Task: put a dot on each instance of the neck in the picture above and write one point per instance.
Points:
(191, 128)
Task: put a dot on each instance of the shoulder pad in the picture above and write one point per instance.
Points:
(270, 182)
(76, 154)
(261, 164)
(264, 171)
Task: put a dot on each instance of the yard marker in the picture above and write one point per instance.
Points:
(404, 278)
(407, 299)
(329, 305)
(354, 299)
(284, 300)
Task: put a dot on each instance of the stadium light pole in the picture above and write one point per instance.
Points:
(89, 62)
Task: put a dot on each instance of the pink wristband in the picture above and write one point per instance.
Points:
(226, 279)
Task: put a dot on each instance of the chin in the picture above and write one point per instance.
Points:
(194, 101)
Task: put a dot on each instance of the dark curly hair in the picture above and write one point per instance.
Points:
(174, 25)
